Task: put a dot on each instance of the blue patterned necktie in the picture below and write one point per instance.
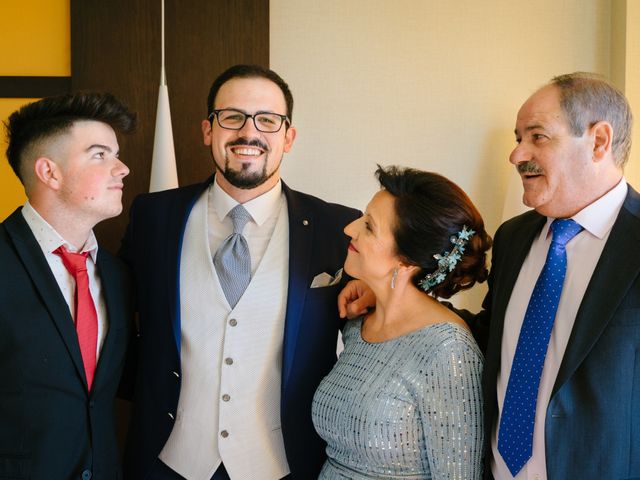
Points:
(232, 260)
(515, 436)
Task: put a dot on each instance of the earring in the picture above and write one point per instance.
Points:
(393, 278)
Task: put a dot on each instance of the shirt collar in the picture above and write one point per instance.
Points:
(260, 208)
(49, 239)
(598, 217)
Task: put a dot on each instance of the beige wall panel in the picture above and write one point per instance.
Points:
(424, 83)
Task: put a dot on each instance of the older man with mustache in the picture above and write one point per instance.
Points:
(561, 320)
(562, 382)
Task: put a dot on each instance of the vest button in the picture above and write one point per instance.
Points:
(226, 398)
(228, 361)
(233, 322)
(224, 434)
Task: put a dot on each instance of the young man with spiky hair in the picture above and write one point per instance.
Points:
(64, 303)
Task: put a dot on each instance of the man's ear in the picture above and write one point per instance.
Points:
(602, 134)
(47, 172)
(206, 132)
(289, 137)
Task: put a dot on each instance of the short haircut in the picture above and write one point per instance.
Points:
(250, 71)
(586, 99)
(54, 116)
(429, 210)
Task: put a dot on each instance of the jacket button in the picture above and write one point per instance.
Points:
(86, 475)
(233, 322)
(228, 361)
(224, 434)
(226, 398)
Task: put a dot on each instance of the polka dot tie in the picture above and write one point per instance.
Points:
(515, 436)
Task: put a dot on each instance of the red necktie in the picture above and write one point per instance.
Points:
(85, 310)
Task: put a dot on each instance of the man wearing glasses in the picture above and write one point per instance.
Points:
(237, 280)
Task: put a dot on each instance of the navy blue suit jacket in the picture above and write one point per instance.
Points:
(152, 246)
(51, 427)
(592, 427)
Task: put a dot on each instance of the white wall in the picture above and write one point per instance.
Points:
(426, 83)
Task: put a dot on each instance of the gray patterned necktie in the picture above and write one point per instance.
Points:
(232, 260)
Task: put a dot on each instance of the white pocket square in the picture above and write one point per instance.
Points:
(325, 280)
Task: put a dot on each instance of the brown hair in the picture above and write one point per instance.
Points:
(249, 71)
(429, 210)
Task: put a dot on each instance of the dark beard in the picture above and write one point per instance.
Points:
(242, 178)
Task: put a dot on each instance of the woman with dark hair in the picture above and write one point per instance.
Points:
(404, 399)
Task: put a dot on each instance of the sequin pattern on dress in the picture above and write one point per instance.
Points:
(408, 408)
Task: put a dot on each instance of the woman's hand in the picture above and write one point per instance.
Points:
(355, 299)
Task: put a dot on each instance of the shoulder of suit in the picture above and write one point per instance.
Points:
(319, 204)
(516, 223)
(632, 202)
(16, 228)
(170, 196)
(114, 268)
(106, 256)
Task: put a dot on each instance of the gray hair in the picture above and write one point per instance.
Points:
(586, 99)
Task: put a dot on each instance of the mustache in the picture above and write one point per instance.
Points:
(529, 167)
(254, 142)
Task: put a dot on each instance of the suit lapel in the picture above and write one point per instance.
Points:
(516, 238)
(178, 214)
(507, 267)
(113, 292)
(31, 256)
(619, 263)
(301, 227)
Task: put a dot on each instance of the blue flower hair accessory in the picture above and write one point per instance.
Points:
(448, 260)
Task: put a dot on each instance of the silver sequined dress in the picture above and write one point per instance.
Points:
(406, 408)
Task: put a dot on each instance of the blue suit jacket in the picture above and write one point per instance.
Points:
(592, 428)
(51, 427)
(152, 246)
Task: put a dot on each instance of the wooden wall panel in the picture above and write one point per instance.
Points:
(115, 46)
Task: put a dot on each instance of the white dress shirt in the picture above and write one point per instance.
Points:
(583, 253)
(49, 240)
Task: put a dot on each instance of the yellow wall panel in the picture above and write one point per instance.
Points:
(11, 191)
(36, 41)
(35, 36)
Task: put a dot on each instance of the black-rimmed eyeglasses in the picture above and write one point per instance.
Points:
(231, 119)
